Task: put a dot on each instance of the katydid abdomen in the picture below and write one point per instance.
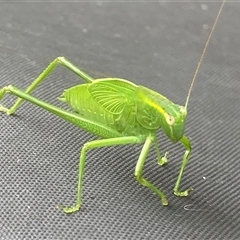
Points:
(113, 107)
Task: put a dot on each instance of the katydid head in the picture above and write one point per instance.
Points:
(173, 122)
(156, 111)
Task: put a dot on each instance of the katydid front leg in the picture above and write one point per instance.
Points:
(186, 143)
(161, 160)
(57, 61)
(139, 168)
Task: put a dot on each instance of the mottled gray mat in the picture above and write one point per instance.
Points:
(155, 44)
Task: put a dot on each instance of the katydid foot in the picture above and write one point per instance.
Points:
(182, 193)
(69, 209)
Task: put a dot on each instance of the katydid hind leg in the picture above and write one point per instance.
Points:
(57, 61)
(139, 168)
(85, 148)
(186, 143)
(95, 128)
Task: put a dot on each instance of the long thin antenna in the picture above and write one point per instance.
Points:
(203, 53)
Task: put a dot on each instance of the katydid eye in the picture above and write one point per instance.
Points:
(170, 119)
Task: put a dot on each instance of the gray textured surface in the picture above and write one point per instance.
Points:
(156, 45)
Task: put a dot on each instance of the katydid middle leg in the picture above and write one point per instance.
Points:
(85, 148)
(57, 61)
(81, 122)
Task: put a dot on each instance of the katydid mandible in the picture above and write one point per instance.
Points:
(119, 112)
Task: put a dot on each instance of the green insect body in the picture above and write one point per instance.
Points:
(126, 108)
(119, 112)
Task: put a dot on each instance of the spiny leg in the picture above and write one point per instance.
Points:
(161, 160)
(184, 140)
(60, 60)
(139, 168)
(91, 145)
(76, 119)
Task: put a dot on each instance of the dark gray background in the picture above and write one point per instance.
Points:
(157, 45)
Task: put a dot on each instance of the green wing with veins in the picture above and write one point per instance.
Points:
(114, 95)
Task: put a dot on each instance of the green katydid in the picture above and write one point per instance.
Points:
(119, 112)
